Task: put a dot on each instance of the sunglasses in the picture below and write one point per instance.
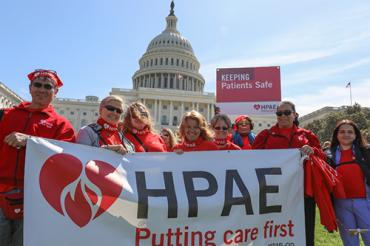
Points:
(243, 124)
(113, 109)
(39, 85)
(285, 112)
(218, 128)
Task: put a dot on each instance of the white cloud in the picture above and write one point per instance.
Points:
(334, 96)
(322, 72)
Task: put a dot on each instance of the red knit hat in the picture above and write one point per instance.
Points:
(45, 73)
(240, 118)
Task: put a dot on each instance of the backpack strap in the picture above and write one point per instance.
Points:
(1, 113)
(130, 147)
(97, 128)
(139, 141)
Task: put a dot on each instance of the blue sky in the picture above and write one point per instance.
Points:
(95, 45)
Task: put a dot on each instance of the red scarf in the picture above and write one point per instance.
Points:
(140, 132)
(107, 126)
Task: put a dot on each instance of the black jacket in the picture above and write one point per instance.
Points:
(362, 158)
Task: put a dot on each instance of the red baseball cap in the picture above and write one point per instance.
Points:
(45, 73)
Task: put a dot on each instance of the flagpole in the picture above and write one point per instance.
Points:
(350, 91)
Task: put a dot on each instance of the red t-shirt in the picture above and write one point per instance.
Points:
(198, 145)
(152, 142)
(246, 143)
(353, 178)
(225, 144)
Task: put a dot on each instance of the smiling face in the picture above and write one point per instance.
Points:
(192, 130)
(138, 124)
(111, 112)
(43, 91)
(346, 135)
(286, 121)
(244, 127)
(221, 129)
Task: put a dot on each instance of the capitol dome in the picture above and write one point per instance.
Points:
(169, 62)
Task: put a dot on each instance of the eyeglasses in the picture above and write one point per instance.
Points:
(113, 109)
(165, 135)
(218, 128)
(285, 112)
(46, 86)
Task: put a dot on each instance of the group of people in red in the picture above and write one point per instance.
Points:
(348, 153)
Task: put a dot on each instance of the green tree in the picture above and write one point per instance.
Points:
(323, 128)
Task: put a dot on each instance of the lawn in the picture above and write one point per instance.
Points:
(323, 237)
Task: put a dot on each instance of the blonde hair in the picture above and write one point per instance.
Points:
(173, 138)
(205, 132)
(137, 110)
(111, 98)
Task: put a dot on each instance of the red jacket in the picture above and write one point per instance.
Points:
(44, 123)
(272, 139)
(150, 142)
(320, 181)
(197, 145)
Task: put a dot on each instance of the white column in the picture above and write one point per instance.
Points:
(170, 120)
(159, 112)
(144, 101)
(208, 112)
(182, 109)
(155, 111)
(197, 107)
(192, 106)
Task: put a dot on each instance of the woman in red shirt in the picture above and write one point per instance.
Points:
(243, 135)
(195, 134)
(221, 125)
(138, 128)
(285, 135)
(350, 157)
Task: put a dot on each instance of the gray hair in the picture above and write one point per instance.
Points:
(223, 117)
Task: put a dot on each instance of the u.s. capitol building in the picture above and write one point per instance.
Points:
(168, 82)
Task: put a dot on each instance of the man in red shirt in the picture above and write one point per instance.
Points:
(17, 124)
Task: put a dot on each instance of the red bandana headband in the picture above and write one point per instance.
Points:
(45, 73)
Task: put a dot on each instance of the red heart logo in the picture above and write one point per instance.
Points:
(257, 106)
(84, 193)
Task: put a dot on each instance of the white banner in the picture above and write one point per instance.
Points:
(80, 195)
(249, 108)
